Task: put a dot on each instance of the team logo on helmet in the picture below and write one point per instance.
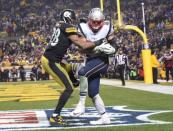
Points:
(68, 16)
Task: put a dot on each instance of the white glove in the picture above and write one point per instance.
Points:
(105, 47)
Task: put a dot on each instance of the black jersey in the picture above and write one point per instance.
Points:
(59, 42)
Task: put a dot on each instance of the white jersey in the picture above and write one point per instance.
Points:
(104, 32)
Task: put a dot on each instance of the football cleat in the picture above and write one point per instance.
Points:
(103, 120)
(78, 111)
(58, 120)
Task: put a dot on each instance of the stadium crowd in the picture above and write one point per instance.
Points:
(25, 28)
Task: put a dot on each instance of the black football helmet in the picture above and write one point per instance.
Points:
(68, 16)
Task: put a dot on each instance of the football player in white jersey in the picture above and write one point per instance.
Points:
(96, 64)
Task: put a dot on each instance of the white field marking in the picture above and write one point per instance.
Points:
(141, 117)
(163, 89)
(144, 117)
(41, 116)
(123, 108)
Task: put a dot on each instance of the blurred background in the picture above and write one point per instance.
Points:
(26, 27)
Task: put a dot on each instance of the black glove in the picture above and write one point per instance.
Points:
(99, 42)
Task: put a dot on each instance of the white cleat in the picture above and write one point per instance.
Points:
(103, 120)
(78, 111)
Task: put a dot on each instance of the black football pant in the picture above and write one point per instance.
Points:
(155, 74)
(168, 71)
(121, 69)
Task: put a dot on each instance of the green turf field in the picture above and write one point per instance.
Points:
(134, 99)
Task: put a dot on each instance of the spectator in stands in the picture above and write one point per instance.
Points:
(32, 77)
(132, 72)
(33, 73)
(45, 76)
(39, 72)
(6, 75)
(140, 73)
(6, 62)
(169, 40)
(22, 73)
(14, 74)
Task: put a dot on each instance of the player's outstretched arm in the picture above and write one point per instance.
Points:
(83, 43)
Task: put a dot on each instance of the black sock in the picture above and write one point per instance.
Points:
(62, 101)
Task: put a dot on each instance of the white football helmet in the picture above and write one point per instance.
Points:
(96, 19)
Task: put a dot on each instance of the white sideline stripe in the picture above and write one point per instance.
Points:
(140, 86)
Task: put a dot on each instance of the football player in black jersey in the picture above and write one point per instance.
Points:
(64, 34)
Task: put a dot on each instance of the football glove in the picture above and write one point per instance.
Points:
(105, 47)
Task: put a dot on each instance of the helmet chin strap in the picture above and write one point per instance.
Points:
(67, 20)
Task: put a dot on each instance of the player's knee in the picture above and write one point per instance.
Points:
(69, 90)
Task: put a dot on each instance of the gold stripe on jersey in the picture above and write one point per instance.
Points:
(71, 30)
